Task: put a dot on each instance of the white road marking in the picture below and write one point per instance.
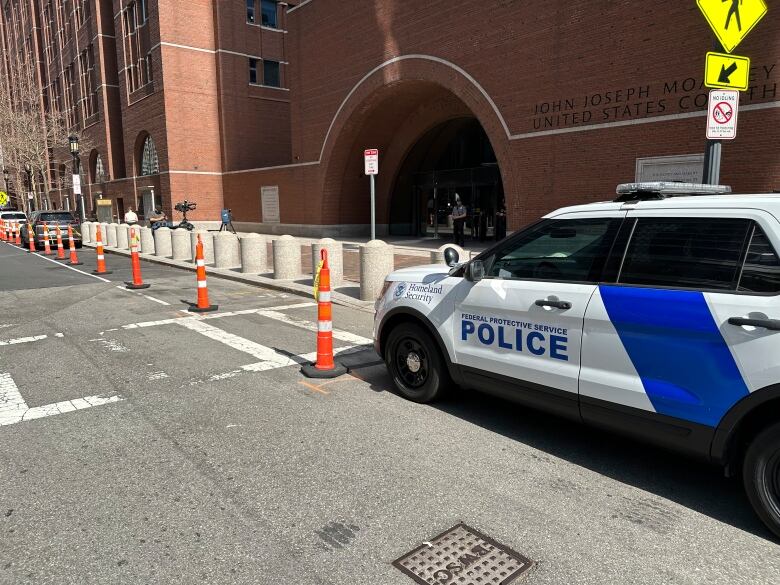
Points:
(4, 325)
(156, 376)
(23, 340)
(112, 345)
(311, 326)
(151, 298)
(71, 267)
(14, 409)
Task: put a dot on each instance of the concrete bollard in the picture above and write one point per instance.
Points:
(287, 258)
(437, 255)
(122, 237)
(181, 247)
(208, 244)
(227, 252)
(147, 240)
(335, 259)
(86, 232)
(376, 262)
(162, 242)
(104, 233)
(111, 238)
(253, 253)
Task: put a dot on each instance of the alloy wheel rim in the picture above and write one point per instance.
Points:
(412, 363)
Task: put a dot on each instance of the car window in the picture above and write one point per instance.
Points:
(685, 252)
(761, 272)
(556, 249)
(13, 216)
(55, 216)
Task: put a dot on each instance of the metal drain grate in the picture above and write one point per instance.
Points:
(463, 556)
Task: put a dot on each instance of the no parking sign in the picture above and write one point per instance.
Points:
(722, 114)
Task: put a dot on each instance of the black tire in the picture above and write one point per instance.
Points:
(415, 364)
(761, 476)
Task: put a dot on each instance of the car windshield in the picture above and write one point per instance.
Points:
(13, 216)
(56, 216)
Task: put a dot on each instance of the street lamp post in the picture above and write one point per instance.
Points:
(74, 151)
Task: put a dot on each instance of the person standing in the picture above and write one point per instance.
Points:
(459, 214)
(130, 217)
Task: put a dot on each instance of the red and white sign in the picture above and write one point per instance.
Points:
(722, 114)
(371, 158)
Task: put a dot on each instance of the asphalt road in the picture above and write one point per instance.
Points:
(160, 447)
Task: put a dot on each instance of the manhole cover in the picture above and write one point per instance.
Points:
(463, 556)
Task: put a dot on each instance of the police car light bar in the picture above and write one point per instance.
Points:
(664, 189)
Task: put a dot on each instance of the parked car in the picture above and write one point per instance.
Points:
(13, 216)
(52, 219)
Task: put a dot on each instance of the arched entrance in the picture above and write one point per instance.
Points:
(454, 157)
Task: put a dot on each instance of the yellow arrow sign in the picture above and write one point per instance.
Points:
(732, 20)
(3, 198)
(729, 71)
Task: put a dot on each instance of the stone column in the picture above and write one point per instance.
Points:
(208, 244)
(287, 258)
(122, 237)
(147, 240)
(162, 242)
(335, 259)
(437, 255)
(227, 253)
(376, 262)
(253, 253)
(111, 238)
(104, 233)
(181, 247)
(86, 235)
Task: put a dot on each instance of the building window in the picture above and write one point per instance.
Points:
(268, 9)
(137, 54)
(250, 11)
(252, 70)
(70, 104)
(271, 75)
(150, 164)
(100, 170)
(82, 10)
(88, 84)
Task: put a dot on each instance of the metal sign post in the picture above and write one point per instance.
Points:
(371, 161)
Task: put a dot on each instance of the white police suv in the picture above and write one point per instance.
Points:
(656, 315)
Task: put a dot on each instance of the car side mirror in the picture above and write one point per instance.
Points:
(475, 271)
(451, 256)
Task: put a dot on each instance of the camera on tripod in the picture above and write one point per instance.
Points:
(185, 206)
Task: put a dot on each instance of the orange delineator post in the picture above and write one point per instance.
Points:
(2, 230)
(101, 259)
(74, 259)
(135, 262)
(324, 367)
(18, 234)
(203, 305)
(30, 238)
(12, 234)
(60, 247)
(46, 245)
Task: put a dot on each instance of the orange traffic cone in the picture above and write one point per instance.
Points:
(74, 259)
(101, 259)
(60, 247)
(203, 305)
(30, 238)
(3, 232)
(46, 244)
(325, 367)
(12, 237)
(135, 262)
(18, 234)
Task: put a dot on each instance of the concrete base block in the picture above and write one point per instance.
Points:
(181, 246)
(86, 232)
(123, 237)
(147, 241)
(162, 242)
(227, 253)
(253, 254)
(111, 237)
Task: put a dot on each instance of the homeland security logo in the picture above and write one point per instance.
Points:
(400, 290)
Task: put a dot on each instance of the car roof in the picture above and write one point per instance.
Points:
(769, 202)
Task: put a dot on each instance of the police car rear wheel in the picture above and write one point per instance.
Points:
(761, 476)
(415, 364)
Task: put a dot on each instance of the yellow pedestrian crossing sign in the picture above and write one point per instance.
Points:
(727, 71)
(3, 198)
(732, 20)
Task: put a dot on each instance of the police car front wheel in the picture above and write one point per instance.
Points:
(761, 475)
(415, 363)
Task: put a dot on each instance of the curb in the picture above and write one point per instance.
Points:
(295, 288)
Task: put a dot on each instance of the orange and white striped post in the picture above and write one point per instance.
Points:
(18, 241)
(324, 367)
(3, 228)
(30, 238)
(101, 259)
(74, 259)
(60, 247)
(203, 305)
(12, 235)
(46, 245)
(135, 262)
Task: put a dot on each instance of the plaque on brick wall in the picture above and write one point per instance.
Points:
(686, 168)
(269, 200)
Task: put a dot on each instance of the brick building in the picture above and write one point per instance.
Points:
(531, 105)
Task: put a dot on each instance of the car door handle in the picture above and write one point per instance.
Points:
(772, 324)
(557, 304)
